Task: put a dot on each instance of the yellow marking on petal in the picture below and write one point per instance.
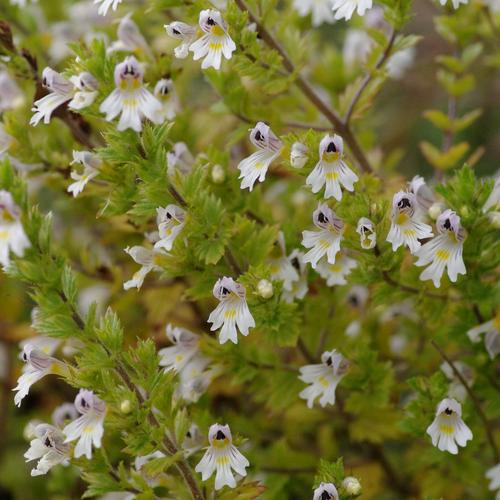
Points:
(179, 358)
(131, 102)
(88, 429)
(215, 45)
(335, 268)
(323, 382)
(217, 31)
(224, 460)
(220, 443)
(168, 232)
(230, 314)
(330, 157)
(157, 259)
(324, 244)
(259, 165)
(496, 321)
(4, 235)
(402, 218)
(446, 429)
(409, 232)
(332, 176)
(7, 216)
(442, 254)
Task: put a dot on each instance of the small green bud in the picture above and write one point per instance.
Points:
(125, 406)
(464, 211)
(218, 174)
(265, 289)
(351, 486)
(435, 210)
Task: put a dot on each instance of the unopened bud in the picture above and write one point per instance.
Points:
(265, 289)
(464, 211)
(125, 406)
(351, 486)
(435, 210)
(218, 174)
(298, 155)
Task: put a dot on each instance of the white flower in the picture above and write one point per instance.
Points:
(184, 32)
(345, 8)
(215, 43)
(195, 377)
(405, 230)
(220, 457)
(91, 164)
(331, 171)
(149, 259)
(367, 234)
(444, 250)
(326, 491)
(38, 365)
(493, 475)
(11, 96)
(448, 429)
(265, 289)
(130, 98)
(88, 428)
(351, 486)
(299, 287)
(403, 309)
(335, 274)
(170, 221)
(357, 296)
(6, 140)
(60, 91)
(400, 62)
(47, 345)
(456, 3)
(298, 155)
(491, 329)
(357, 47)
(281, 267)
(184, 348)
(327, 239)
(193, 440)
(165, 92)
(456, 389)
(323, 378)
(12, 235)
(49, 448)
(179, 158)
(232, 313)
(85, 90)
(98, 294)
(423, 194)
(493, 201)
(130, 38)
(255, 166)
(320, 10)
(64, 413)
(106, 5)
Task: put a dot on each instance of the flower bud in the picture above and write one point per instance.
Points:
(435, 210)
(298, 155)
(218, 174)
(125, 406)
(265, 289)
(464, 211)
(351, 486)
(494, 218)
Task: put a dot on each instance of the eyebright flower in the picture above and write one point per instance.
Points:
(255, 166)
(493, 475)
(281, 267)
(106, 5)
(165, 92)
(88, 428)
(12, 235)
(179, 158)
(335, 274)
(456, 389)
(130, 98)
(399, 63)
(357, 296)
(448, 429)
(63, 414)
(193, 440)
(49, 447)
(195, 377)
(184, 32)
(320, 10)
(323, 378)
(298, 155)
(185, 346)
(405, 230)
(220, 457)
(326, 491)
(493, 201)
(130, 38)
(265, 289)
(327, 239)
(91, 164)
(491, 329)
(60, 91)
(86, 90)
(351, 486)
(455, 3)
(367, 234)
(299, 287)
(331, 171)
(215, 43)
(443, 251)
(38, 365)
(423, 194)
(170, 221)
(11, 96)
(232, 311)
(148, 259)
(345, 8)
(47, 345)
